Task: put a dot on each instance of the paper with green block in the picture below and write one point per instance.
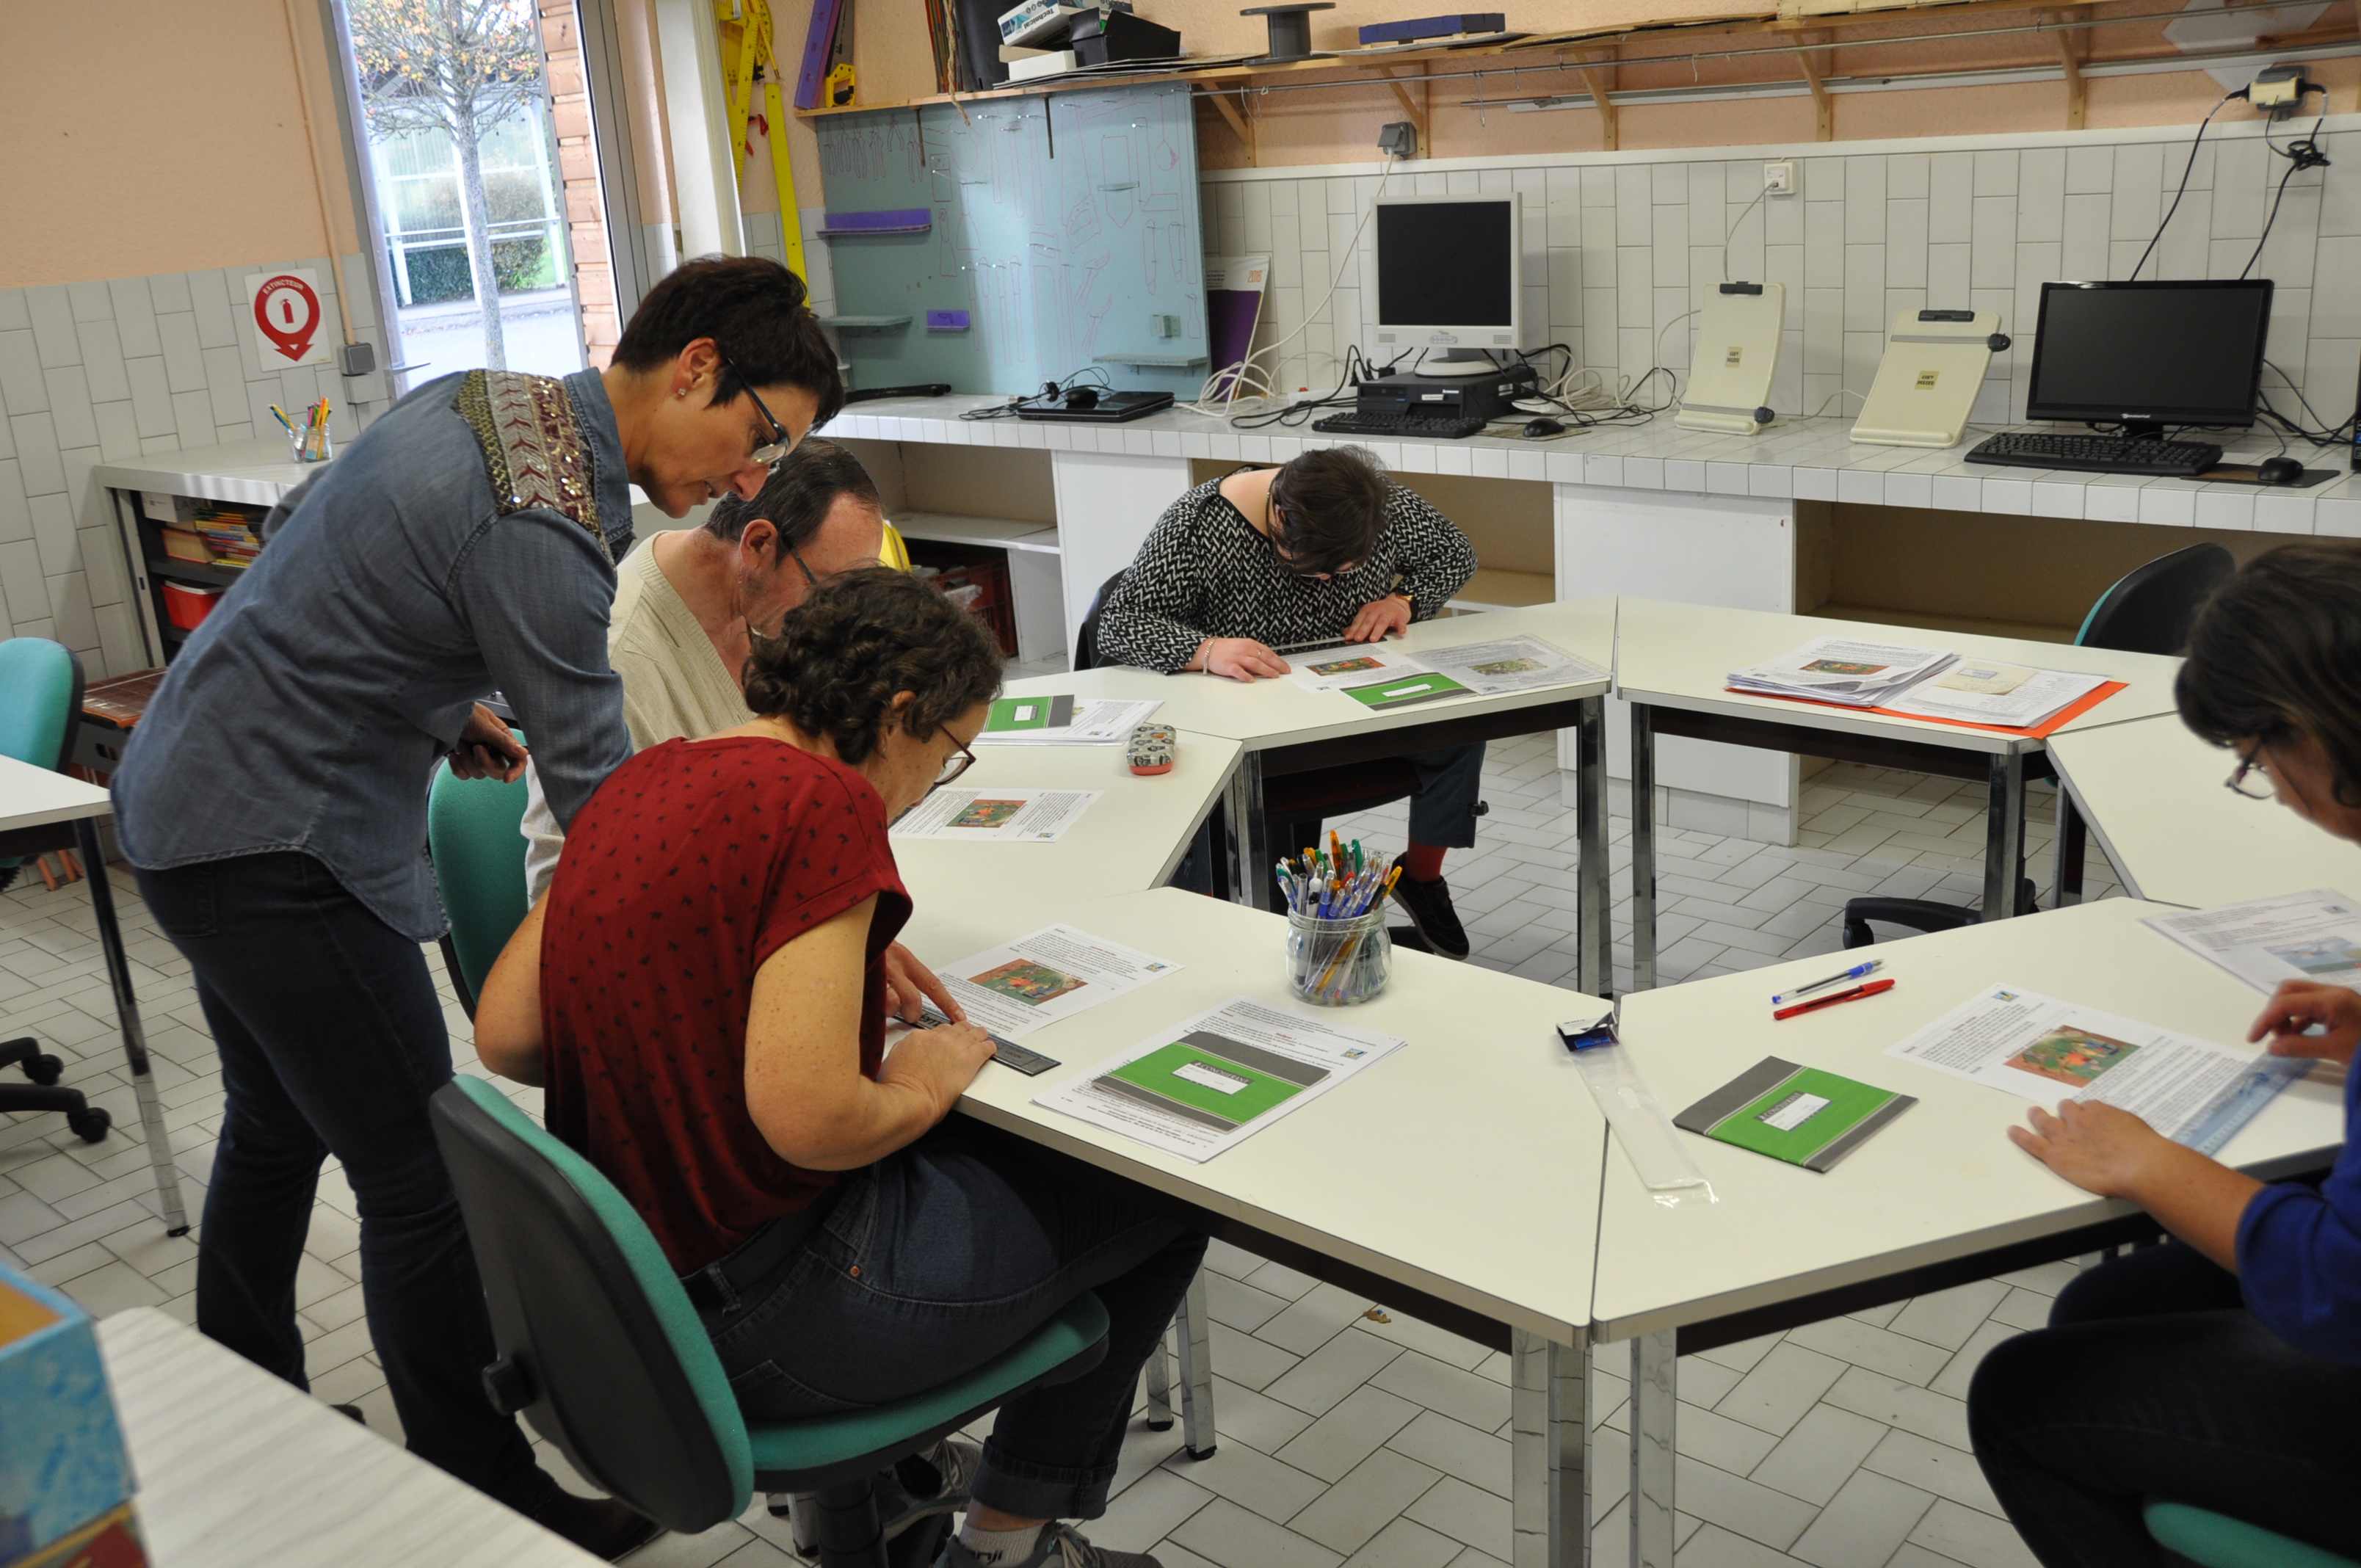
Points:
(1799, 1114)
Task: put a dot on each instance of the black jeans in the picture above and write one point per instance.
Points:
(331, 1037)
(2154, 1382)
(937, 1258)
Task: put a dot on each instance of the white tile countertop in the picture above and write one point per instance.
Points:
(1805, 459)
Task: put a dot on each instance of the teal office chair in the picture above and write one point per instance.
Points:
(600, 1351)
(2148, 610)
(473, 836)
(40, 698)
(2217, 1541)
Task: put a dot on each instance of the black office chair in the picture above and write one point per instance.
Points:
(2148, 610)
(40, 702)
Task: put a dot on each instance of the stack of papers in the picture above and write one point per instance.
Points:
(2296, 936)
(1840, 670)
(1372, 672)
(1064, 720)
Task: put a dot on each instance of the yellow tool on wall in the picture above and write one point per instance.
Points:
(749, 50)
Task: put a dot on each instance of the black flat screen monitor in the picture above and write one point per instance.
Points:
(2150, 353)
(1448, 263)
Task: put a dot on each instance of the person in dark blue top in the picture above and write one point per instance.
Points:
(273, 801)
(2222, 1369)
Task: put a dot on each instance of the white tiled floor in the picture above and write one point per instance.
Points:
(1347, 1433)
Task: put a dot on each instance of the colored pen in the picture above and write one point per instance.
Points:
(1875, 988)
(1858, 971)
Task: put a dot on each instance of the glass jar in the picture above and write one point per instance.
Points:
(1336, 962)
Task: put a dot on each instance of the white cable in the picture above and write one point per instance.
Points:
(1838, 397)
(1728, 234)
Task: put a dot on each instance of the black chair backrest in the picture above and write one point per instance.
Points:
(2150, 610)
(1086, 641)
(583, 1357)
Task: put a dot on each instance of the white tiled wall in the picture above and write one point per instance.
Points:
(1618, 246)
(104, 371)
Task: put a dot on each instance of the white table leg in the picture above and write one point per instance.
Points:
(1594, 906)
(1643, 847)
(1251, 875)
(1549, 1394)
(1653, 1405)
(2003, 833)
(135, 1038)
(1194, 1325)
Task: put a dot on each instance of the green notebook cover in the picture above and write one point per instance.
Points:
(1211, 1079)
(1016, 713)
(1407, 689)
(1799, 1114)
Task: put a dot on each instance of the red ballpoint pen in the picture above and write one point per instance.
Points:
(1855, 994)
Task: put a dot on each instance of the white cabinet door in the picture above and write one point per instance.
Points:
(1106, 503)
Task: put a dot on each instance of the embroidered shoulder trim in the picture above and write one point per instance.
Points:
(535, 449)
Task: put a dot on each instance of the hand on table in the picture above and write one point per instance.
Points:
(2099, 1148)
(939, 1062)
(2295, 1006)
(487, 750)
(1378, 620)
(1240, 658)
(910, 985)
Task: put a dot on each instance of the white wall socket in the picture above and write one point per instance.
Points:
(1779, 178)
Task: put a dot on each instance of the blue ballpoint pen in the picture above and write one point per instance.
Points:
(1856, 972)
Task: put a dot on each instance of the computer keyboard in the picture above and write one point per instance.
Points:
(2098, 454)
(1431, 427)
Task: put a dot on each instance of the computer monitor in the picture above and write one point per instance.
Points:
(2150, 355)
(1447, 281)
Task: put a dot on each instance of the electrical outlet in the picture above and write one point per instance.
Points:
(1779, 178)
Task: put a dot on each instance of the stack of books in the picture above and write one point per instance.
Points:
(1842, 671)
(215, 539)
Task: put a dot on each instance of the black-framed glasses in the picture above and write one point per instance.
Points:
(2253, 778)
(769, 452)
(796, 556)
(954, 765)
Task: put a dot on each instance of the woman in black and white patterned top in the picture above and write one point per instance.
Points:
(1325, 548)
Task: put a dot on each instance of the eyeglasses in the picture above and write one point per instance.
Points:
(769, 452)
(953, 766)
(796, 556)
(2253, 778)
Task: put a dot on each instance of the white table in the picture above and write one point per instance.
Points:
(1285, 730)
(1419, 1182)
(2152, 793)
(238, 1470)
(1939, 1198)
(1672, 662)
(33, 797)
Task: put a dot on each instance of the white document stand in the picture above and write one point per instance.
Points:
(1737, 353)
(1927, 382)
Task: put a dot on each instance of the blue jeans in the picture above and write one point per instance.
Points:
(2154, 1382)
(332, 1038)
(937, 1258)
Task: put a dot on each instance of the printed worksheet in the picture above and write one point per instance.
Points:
(1511, 665)
(1841, 670)
(1212, 1081)
(1348, 664)
(2014, 696)
(2038, 1047)
(1064, 720)
(2296, 936)
(1056, 972)
(1017, 815)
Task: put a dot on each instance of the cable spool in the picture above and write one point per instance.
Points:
(1291, 26)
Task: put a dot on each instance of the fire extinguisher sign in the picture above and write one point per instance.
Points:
(283, 309)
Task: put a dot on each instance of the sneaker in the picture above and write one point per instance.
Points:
(1428, 904)
(1061, 1546)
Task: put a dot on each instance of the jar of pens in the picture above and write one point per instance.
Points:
(309, 441)
(1337, 949)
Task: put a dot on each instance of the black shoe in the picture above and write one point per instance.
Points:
(602, 1527)
(1428, 904)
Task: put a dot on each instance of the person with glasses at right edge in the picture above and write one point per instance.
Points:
(2221, 1370)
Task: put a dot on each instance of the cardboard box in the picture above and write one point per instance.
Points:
(65, 1478)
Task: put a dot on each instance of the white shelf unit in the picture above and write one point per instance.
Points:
(1035, 580)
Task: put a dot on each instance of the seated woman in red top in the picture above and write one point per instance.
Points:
(701, 991)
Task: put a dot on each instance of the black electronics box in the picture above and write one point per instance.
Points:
(1489, 396)
(1103, 38)
(1093, 405)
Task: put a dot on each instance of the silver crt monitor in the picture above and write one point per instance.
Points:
(1448, 282)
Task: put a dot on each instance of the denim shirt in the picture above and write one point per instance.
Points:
(309, 710)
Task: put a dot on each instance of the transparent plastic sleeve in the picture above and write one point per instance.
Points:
(1649, 1139)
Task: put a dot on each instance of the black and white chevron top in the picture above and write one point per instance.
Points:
(1205, 572)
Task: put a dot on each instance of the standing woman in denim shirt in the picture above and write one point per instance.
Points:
(274, 800)
(2222, 1369)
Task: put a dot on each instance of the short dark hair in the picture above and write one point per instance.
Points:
(1330, 506)
(2277, 651)
(751, 307)
(862, 636)
(796, 498)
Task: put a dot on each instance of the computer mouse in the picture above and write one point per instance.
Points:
(1082, 396)
(1541, 427)
(2279, 470)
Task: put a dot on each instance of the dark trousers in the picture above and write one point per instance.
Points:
(331, 1037)
(937, 1258)
(2154, 1382)
(1443, 808)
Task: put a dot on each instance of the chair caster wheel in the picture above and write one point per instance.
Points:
(90, 1126)
(44, 1069)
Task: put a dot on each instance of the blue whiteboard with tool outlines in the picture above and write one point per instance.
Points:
(1066, 226)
